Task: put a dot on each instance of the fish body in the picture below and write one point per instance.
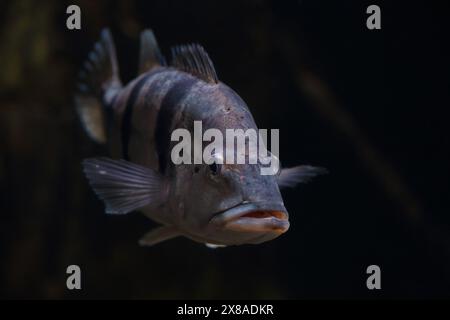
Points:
(219, 203)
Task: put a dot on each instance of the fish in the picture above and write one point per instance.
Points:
(216, 204)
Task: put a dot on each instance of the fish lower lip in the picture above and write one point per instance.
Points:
(254, 217)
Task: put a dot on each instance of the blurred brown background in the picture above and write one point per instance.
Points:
(368, 105)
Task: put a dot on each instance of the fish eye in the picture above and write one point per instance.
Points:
(215, 163)
(215, 168)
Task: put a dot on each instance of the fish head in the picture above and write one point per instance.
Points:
(230, 204)
(260, 216)
(233, 204)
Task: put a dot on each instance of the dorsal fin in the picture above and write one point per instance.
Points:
(192, 58)
(150, 55)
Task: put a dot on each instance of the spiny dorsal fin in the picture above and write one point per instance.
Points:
(150, 55)
(192, 58)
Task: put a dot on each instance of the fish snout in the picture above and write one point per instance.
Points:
(259, 217)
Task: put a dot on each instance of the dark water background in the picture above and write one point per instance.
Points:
(371, 106)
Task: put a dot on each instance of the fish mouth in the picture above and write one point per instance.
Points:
(254, 217)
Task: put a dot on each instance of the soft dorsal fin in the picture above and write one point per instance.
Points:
(192, 58)
(150, 55)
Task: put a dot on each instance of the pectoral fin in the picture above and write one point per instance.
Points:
(290, 177)
(123, 185)
(158, 235)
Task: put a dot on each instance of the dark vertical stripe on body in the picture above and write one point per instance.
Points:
(127, 116)
(165, 118)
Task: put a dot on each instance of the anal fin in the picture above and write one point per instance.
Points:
(158, 235)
